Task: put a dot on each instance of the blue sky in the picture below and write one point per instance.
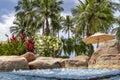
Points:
(7, 13)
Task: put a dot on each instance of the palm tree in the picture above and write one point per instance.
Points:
(55, 16)
(68, 25)
(18, 27)
(116, 30)
(26, 18)
(56, 25)
(93, 16)
(49, 12)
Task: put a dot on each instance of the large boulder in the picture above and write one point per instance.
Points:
(29, 56)
(46, 63)
(8, 63)
(106, 56)
(77, 62)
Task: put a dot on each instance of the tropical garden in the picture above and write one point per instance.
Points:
(38, 26)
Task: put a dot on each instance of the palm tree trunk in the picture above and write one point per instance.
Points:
(87, 31)
(43, 29)
(46, 19)
(47, 27)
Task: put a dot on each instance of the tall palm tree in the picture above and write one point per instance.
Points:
(55, 16)
(68, 25)
(26, 15)
(56, 25)
(49, 11)
(93, 16)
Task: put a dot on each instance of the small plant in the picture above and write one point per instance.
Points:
(48, 45)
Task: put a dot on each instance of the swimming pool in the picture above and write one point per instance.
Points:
(62, 74)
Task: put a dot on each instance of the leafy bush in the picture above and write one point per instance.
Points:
(48, 45)
(77, 46)
(17, 45)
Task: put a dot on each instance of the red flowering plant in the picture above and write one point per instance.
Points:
(17, 45)
(13, 39)
(30, 44)
(23, 36)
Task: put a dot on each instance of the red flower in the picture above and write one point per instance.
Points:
(13, 39)
(30, 44)
(22, 36)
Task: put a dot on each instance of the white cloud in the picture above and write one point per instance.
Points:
(5, 25)
(64, 14)
(75, 1)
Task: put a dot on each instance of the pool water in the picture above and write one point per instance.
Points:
(62, 74)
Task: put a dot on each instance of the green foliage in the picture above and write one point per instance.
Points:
(68, 46)
(116, 30)
(48, 45)
(10, 47)
(77, 46)
(33, 15)
(17, 45)
(68, 25)
(89, 17)
(82, 48)
(93, 16)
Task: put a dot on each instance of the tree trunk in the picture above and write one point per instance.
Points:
(88, 32)
(47, 27)
(43, 29)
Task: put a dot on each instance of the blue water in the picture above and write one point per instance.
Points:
(61, 74)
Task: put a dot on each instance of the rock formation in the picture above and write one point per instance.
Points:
(8, 63)
(30, 61)
(29, 56)
(77, 62)
(106, 56)
(46, 63)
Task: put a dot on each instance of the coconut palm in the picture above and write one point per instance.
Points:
(93, 16)
(49, 12)
(26, 18)
(68, 25)
(18, 26)
(56, 25)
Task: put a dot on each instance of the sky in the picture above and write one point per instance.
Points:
(7, 14)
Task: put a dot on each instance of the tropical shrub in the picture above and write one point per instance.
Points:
(17, 45)
(82, 48)
(68, 46)
(48, 45)
(13, 46)
(76, 46)
(30, 44)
